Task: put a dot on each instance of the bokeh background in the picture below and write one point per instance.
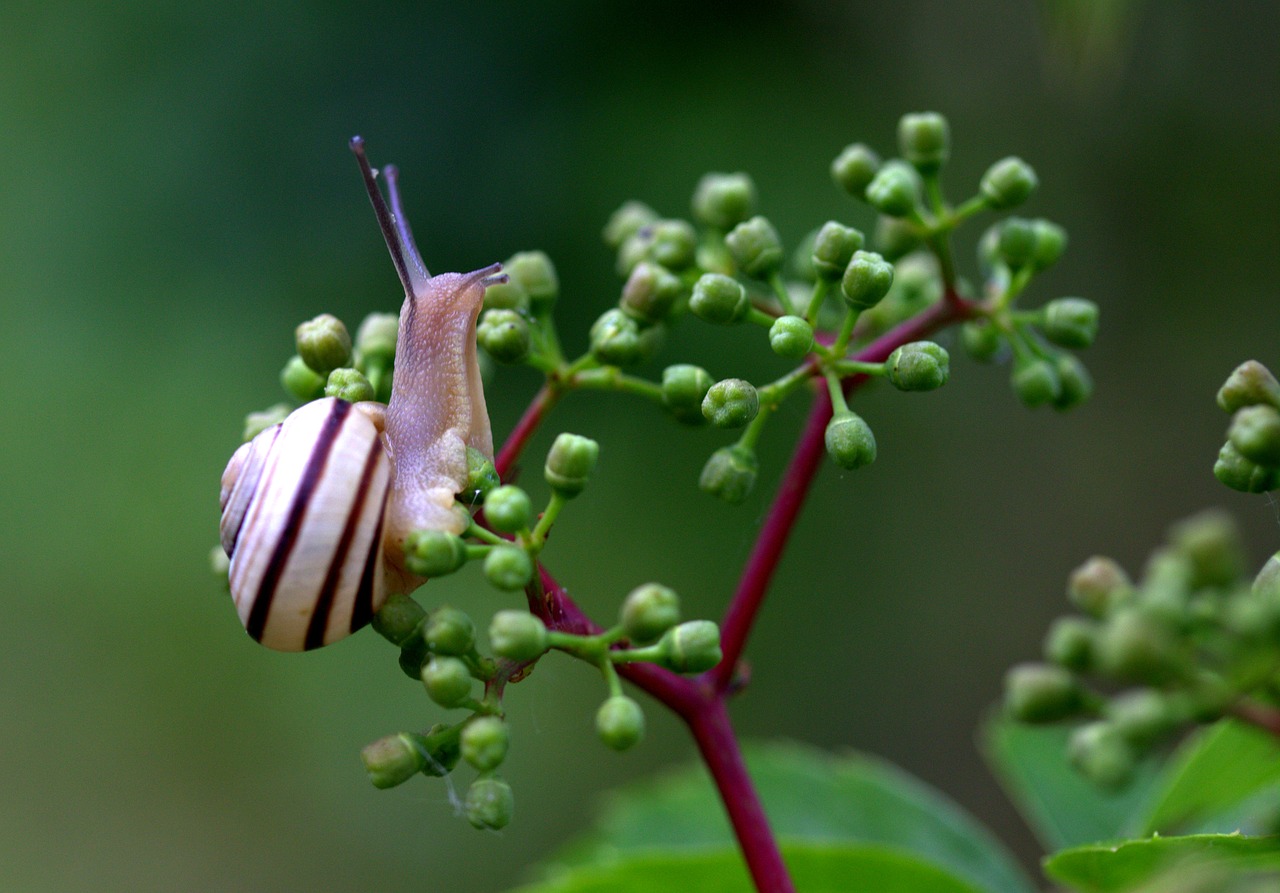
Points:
(177, 194)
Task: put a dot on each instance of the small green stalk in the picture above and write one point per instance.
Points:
(821, 289)
(846, 332)
(780, 290)
(538, 538)
(772, 394)
(611, 678)
(611, 378)
(481, 533)
(838, 403)
(845, 368)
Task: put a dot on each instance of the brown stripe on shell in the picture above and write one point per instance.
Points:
(236, 507)
(368, 596)
(257, 621)
(355, 516)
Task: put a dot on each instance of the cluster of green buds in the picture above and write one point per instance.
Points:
(1192, 641)
(439, 647)
(906, 192)
(328, 363)
(1250, 459)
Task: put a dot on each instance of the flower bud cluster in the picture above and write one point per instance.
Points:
(1145, 659)
(1249, 461)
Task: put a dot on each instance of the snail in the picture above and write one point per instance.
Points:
(316, 509)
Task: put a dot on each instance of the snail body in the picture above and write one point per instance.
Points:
(316, 510)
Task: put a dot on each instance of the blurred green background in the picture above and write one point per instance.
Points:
(177, 194)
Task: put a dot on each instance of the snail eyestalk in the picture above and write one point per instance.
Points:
(394, 230)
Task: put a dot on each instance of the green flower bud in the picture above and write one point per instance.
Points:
(508, 509)
(434, 553)
(854, 169)
(649, 611)
(1098, 585)
(1051, 241)
(449, 631)
(508, 295)
(504, 334)
(1035, 382)
(1070, 643)
(896, 237)
(620, 722)
(683, 388)
(447, 681)
(755, 247)
(619, 340)
(1143, 715)
(301, 381)
(1017, 245)
(918, 366)
(731, 403)
(1255, 433)
(1134, 647)
(724, 200)
(650, 293)
(849, 440)
(981, 340)
(866, 280)
(348, 384)
(489, 804)
(484, 742)
(791, 337)
(1039, 693)
(413, 654)
(324, 343)
(508, 568)
(628, 220)
(1100, 753)
(719, 299)
(1211, 542)
(257, 422)
(924, 139)
(1239, 473)
(481, 475)
(674, 244)
(517, 635)
(570, 462)
(442, 751)
(895, 190)
(1008, 183)
(691, 647)
(634, 250)
(393, 760)
(376, 338)
(398, 618)
(1071, 322)
(833, 248)
(1251, 383)
(536, 275)
(730, 474)
(1074, 384)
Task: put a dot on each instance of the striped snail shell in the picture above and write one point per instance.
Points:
(316, 510)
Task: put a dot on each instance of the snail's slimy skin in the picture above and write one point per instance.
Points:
(437, 408)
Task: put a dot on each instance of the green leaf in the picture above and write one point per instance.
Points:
(811, 797)
(1063, 807)
(1211, 773)
(1109, 869)
(815, 868)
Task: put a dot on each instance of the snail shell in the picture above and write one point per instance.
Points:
(302, 510)
(316, 510)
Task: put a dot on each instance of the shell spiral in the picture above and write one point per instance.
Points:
(302, 516)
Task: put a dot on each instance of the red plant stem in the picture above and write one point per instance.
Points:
(1260, 715)
(739, 617)
(541, 404)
